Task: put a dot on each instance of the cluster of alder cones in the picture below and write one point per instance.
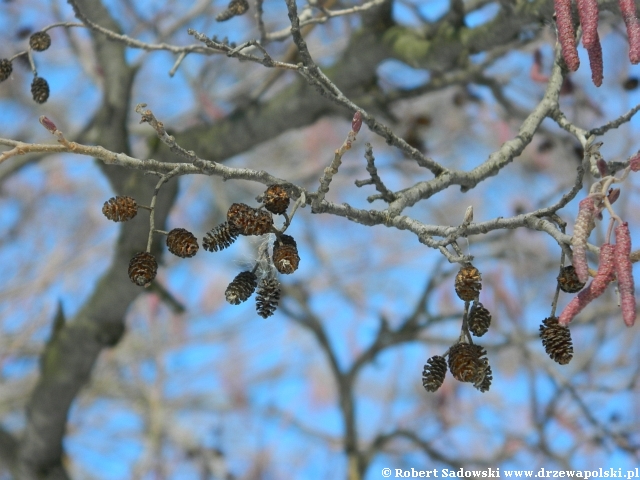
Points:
(467, 361)
(38, 42)
(241, 220)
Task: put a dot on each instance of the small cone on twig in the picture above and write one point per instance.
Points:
(268, 296)
(39, 90)
(433, 373)
(556, 340)
(40, 41)
(6, 67)
(285, 254)
(182, 243)
(276, 199)
(241, 288)
(143, 268)
(479, 319)
(220, 237)
(120, 208)
(568, 280)
(468, 283)
(249, 221)
(235, 8)
(467, 363)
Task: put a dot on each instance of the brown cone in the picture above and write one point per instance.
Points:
(241, 288)
(276, 199)
(142, 269)
(249, 221)
(433, 373)
(479, 319)
(6, 67)
(285, 254)
(39, 90)
(220, 237)
(568, 280)
(556, 340)
(182, 243)
(467, 364)
(40, 41)
(468, 283)
(268, 297)
(120, 209)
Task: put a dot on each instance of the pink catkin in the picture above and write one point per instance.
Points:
(581, 231)
(588, 11)
(566, 34)
(596, 288)
(595, 62)
(629, 14)
(624, 271)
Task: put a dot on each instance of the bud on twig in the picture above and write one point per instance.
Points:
(624, 272)
(356, 123)
(48, 124)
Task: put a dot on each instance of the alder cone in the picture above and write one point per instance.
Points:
(248, 220)
(120, 208)
(568, 280)
(235, 8)
(285, 254)
(466, 363)
(556, 340)
(220, 237)
(241, 288)
(276, 199)
(6, 67)
(268, 297)
(433, 373)
(39, 90)
(468, 283)
(143, 268)
(479, 319)
(485, 384)
(40, 41)
(182, 243)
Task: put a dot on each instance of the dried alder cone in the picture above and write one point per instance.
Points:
(241, 288)
(39, 90)
(285, 254)
(143, 268)
(556, 340)
(182, 243)
(468, 283)
(479, 319)
(220, 237)
(568, 280)
(276, 199)
(40, 41)
(267, 297)
(433, 373)
(6, 67)
(248, 220)
(467, 363)
(235, 8)
(120, 208)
